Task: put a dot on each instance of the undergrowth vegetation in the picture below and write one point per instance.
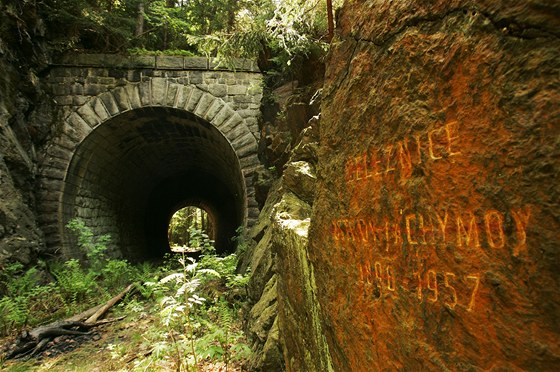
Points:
(194, 306)
(199, 302)
(46, 292)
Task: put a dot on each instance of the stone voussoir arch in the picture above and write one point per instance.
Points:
(79, 120)
(157, 92)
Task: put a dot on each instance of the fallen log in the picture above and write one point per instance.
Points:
(85, 314)
(109, 304)
(30, 343)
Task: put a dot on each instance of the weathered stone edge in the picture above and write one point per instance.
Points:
(152, 62)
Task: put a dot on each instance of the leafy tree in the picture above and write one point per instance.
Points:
(276, 32)
(90, 24)
(268, 29)
(166, 25)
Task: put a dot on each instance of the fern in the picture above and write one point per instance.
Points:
(198, 314)
(118, 273)
(225, 314)
(12, 313)
(74, 283)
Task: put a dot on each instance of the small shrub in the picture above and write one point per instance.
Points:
(199, 317)
(17, 281)
(95, 248)
(28, 301)
(118, 273)
(12, 313)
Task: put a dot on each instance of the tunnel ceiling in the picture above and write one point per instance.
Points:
(131, 174)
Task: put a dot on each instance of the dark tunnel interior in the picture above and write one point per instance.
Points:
(130, 174)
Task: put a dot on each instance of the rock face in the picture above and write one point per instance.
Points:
(286, 112)
(261, 323)
(435, 229)
(25, 116)
(301, 333)
(284, 321)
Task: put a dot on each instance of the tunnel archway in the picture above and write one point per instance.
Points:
(130, 174)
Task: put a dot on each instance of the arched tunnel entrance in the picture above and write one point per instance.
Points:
(131, 173)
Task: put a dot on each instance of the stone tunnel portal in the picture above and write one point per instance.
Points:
(131, 174)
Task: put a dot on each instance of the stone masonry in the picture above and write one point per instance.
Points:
(90, 90)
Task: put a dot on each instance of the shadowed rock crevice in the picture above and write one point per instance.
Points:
(284, 323)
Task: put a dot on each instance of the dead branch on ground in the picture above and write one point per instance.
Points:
(30, 343)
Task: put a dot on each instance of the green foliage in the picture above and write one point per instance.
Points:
(167, 52)
(118, 273)
(245, 42)
(167, 25)
(179, 299)
(16, 281)
(222, 338)
(28, 298)
(190, 226)
(13, 312)
(100, 270)
(241, 240)
(94, 248)
(75, 284)
(295, 26)
(276, 32)
(25, 299)
(198, 315)
(100, 25)
(117, 25)
(199, 240)
(197, 311)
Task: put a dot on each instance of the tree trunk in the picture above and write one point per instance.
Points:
(165, 36)
(139, 21)
(330, 20)
(29, 343)
(203, 221)
(231, 15)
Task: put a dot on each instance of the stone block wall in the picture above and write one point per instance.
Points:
(74, 79)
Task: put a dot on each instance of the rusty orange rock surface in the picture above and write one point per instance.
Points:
(435, 234)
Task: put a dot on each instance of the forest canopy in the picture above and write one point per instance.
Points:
(265, 29)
